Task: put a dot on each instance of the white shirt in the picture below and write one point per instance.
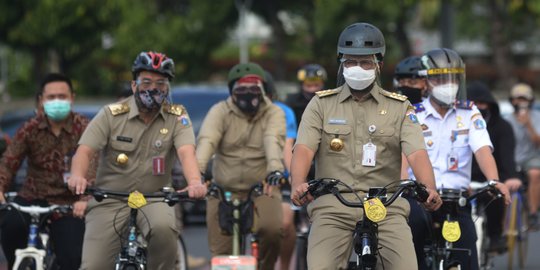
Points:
(458, 134)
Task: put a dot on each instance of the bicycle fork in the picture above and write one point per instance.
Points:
(365, 244)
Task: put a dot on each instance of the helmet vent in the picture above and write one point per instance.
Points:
(348, 43)
(368, 43)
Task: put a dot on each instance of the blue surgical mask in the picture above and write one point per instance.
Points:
(57, 109)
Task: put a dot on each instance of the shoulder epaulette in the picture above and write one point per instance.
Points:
(174, 109)
(325, 93)
(419, 107)
(119, 108)
(464, 104)
(393, 95)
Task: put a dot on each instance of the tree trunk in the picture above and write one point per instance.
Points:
(500, 45)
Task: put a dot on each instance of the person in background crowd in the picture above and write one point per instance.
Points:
(137, 139)
(289, 231)
(312, 78)
(48, 141)
(408, 81)
(526, 125)
(502, 138)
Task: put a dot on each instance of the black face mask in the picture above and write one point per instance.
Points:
(486, 113)
(414, 94)
(248, 103)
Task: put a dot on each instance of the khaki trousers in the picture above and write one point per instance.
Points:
(267, 225)
(156, 221)
(331, 237)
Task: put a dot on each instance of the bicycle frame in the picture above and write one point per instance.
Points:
(366, 230)
(133, 253)
(37, 245)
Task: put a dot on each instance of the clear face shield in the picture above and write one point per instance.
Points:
(447, 85)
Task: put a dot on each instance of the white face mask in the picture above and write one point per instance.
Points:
(358, 78)
(445, 93)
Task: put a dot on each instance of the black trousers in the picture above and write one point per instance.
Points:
(421, 223)
(66, 236)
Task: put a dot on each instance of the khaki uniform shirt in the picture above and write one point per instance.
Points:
(245, 149)
(117, 130)
(386, 119)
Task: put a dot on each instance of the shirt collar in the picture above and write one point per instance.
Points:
(44, 122)
(430, 110)
(345, 93)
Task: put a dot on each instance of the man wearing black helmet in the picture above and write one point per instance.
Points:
(245, 134)
(137, 138)
(453, 130)
(369, 129)
(407, 80)
(311, 78)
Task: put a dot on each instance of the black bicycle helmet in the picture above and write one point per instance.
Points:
(153, 61)
(361, 39)
(311, 72)
(408, 68)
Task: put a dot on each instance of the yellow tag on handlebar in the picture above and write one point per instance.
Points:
(136, 200)
(375, 209)
(451, 231)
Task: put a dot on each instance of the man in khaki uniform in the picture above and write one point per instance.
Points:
(136, 138)
(246, 133)
(357, 133)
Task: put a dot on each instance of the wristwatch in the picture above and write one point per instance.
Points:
(493, 182)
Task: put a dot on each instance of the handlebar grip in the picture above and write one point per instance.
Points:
(421, 193)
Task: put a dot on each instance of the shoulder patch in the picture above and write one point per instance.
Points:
(464, 104)
(325, 93)
(419, 107)
(175, 109)
(118, 108)
(393, 95)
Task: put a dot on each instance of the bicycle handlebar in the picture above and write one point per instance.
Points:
(171, 197)
(319, 187)
(216, 189)
(480, 188)
(36, 209)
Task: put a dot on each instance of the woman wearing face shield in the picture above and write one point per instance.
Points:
(454, 130)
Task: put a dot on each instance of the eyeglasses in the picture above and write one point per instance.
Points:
(363, 63)
(147, 84)
(247, 89)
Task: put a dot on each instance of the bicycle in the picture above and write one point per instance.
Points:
(236, 219)
(38, 254)
(366, 230)
(133, 253)
(517, 229)
(440, 254)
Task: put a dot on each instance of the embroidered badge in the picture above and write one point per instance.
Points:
(479, 123)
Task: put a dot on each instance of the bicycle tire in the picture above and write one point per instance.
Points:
(182, 263)
(511, 232)
(523, 235)
(301, 253)
(27, 264)
(130, 267)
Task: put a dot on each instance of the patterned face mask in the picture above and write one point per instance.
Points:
(150, 100)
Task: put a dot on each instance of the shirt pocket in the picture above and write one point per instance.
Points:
(341, 133)
(118, 148)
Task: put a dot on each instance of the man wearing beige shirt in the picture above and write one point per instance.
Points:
(246, 133)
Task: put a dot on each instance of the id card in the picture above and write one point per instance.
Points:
(453, 162)
(369, 155)
(158, 165)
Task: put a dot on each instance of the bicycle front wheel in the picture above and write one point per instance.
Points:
(182, 263)
(512, 232)
(523, 235)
